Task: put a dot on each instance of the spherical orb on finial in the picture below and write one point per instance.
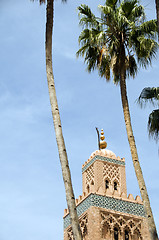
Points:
(102, 135)
(102, 143)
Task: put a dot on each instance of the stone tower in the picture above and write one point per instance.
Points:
(104, 210)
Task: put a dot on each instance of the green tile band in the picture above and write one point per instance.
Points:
(107, 203)
(105, 159)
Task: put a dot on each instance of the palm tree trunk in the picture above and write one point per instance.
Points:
(57, 125)
(157, 13)
(131, 139)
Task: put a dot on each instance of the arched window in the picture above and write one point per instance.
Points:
(88, 188)
(126, 235)
(115, 186)
(106, 184)
(84, 232)
(92, 183)
(106, 232)
(136, 235)
(116, 234)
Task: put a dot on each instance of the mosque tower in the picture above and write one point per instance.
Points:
(104, 210)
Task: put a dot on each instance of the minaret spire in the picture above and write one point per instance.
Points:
(102, 143)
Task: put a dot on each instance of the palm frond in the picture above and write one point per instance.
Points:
(132, 67)
(116, 68)
(146, 51)
(104, 67)
(108, 15)
(127, 7)
(138, 14)
(92, 37)
(85, 36)
(122, 22)
(82, 51)
(114, 46)
(107, 10)
(153, 124)
(91, 58)
(111, 3)
(148, 95)
(87, 18)
(148, 28)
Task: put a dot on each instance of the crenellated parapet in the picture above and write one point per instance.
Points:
(122, 197)
(124, 205)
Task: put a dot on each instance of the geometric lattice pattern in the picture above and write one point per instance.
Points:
(109, 221)
(111, 172)
(90, 175)
(105, 159)
(83, 226)
(107, 203)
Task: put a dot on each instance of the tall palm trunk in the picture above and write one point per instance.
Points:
(131, 139)
(157, 13)
(57, 125)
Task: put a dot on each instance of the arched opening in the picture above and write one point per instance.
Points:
(115, 186)
(137, 235)
(69, 234)
(92, 182)
(126, 235)
(88, 188)
(106, 231)
(116, 233)
(84, 232)
(106, 184)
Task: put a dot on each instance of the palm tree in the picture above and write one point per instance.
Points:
(57, 123)
(151, 95)
(116, 42)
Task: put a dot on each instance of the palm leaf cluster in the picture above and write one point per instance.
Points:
(119, 27)
(151, 95)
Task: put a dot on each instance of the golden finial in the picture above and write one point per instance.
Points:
(102, 143)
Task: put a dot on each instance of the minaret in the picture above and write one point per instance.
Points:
(104, 210)
(106, 174)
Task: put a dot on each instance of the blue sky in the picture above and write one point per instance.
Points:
(32, 197)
